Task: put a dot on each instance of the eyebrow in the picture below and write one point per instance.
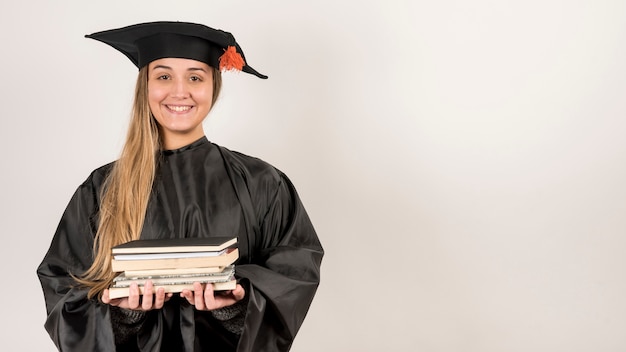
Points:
(189, 69)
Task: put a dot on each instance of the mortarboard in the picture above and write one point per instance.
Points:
(145, 42)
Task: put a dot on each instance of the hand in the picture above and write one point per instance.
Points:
(206, 299)
(148, 301)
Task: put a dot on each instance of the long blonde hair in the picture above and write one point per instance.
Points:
(126, 191)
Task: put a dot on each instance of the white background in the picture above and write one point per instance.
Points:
(462, 161)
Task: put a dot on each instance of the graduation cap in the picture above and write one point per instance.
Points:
(145, 42)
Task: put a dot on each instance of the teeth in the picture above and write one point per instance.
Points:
(179, 108)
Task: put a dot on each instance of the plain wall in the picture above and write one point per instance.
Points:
(462, 161)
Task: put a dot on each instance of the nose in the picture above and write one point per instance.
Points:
(179, 89)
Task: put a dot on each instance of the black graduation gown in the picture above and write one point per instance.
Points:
(200, 190)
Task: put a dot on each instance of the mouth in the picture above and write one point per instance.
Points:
(179, 108)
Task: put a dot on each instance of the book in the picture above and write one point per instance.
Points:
(175, 280)
(124, 280)
(225, 259)
(177, 271)
(166, 245)
(174, 264)
(141, 256)
(120, 292)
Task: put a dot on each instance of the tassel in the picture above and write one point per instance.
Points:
(231, 60)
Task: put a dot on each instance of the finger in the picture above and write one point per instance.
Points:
(188, 295)
(105, 296)
(209, 297)
(239, 293)
(198, 296)
(159, 298)
(133, 296)
(117, 302)
(148, 295)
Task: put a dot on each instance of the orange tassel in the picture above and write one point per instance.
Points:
(231, 60)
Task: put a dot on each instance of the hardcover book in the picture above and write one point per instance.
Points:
(166, 245)
(225, 259)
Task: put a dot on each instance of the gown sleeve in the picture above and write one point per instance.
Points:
(284, 271)
(74, 322)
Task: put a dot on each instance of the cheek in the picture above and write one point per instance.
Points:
(155, 97)
(156, 91)
(206, 95)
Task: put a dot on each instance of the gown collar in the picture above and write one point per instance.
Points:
(193, 145)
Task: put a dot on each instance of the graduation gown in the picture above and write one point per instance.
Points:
(200, 190)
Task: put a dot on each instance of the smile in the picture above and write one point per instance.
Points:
(179, 108)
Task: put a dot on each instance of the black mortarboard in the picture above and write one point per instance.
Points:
(145, 42)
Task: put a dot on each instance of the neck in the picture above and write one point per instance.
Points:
(175, 141)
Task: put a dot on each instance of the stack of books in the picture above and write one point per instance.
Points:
(174, 264)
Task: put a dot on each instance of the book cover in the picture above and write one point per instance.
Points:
(196, 244)
(176, 263)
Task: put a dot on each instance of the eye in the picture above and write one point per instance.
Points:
(163, 77)
(195, 79)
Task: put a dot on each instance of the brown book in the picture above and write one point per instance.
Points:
(120, 292)
(177, 263)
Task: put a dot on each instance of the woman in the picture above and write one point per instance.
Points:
(170, 181)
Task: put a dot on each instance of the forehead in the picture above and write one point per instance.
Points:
(175, 64)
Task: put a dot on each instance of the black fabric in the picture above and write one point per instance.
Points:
(146, 42)
(126, 324)
(201, 190)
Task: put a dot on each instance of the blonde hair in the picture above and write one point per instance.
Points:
(127, 189)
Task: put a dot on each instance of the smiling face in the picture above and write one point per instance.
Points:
(180, 95)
